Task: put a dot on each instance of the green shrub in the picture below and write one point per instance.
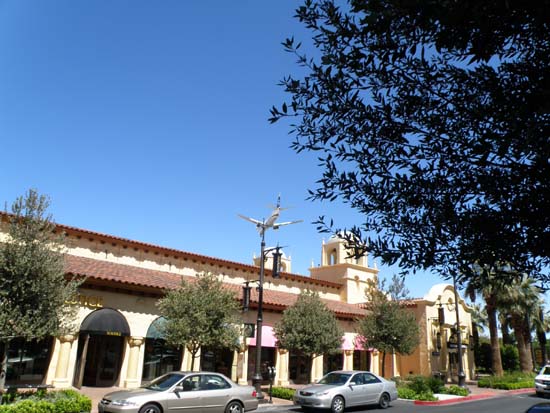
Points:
(281, 393)
(64, 401)
(509, 381)
(406, 393)
(435, 384)
(426, 397)
(510, 357)
(419, 384)
(456, 390)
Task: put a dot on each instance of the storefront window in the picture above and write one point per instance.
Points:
(219, 361)
(333, 362)
(160, 358)
(361, 360)
(268, 360)
(28, 361)
(298, 369)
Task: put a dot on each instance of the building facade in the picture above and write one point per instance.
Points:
(117, 340)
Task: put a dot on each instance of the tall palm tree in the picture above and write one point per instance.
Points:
(541, 325)
(479, 322)
(504, 320)
(487, 284)
(518, 300)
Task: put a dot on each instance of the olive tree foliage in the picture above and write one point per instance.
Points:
(309, 328)
(33, 287)
(388, 326)
(431, 119)
(201, 313)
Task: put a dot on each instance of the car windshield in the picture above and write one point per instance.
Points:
(545, 370)
(335, 379)
(164, 382)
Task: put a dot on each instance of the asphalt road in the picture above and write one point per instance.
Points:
(517, 403)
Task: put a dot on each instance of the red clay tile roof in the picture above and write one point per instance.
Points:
(137, 278)
(78, 232)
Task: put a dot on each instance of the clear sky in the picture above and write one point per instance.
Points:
(148, 120)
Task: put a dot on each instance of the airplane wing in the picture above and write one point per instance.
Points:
(254, 221)
(280, 224)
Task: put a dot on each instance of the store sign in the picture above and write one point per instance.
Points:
(91, 301)
(113, 333)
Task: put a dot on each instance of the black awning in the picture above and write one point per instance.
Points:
(106, 321)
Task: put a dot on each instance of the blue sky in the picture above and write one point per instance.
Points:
(148, 120)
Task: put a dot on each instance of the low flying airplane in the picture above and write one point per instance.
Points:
(270, 222)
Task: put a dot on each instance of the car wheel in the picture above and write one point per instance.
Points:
(337, 405)
(539, 394)
(150, 408)
(384, 401)
(234, 407)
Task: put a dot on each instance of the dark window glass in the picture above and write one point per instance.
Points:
(28, 361)
(332, 362)
(160, 358)
(268, 360)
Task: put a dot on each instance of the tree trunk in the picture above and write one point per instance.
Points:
(496, 364)
(3, 364)
(193, 352)
(541, 337)
(383, 364)
(525, 360)
(309, 362)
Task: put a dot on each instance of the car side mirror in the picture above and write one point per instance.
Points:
(352, 383)
(178, 388)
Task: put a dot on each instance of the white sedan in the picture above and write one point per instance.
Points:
(542, 381)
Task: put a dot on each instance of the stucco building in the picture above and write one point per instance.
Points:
(116, 341)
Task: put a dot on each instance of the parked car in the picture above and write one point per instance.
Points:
(539, 408)
(192, 392)
(542, 381)
(340, 389)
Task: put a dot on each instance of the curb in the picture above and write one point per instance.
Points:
(470, 398)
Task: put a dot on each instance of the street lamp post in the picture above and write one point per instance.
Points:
(257, 378)
(262, 227)
(461, 375)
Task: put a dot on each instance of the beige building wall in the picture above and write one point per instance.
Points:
(339, 277)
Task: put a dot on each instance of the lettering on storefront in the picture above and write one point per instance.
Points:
(91, 301)
(113, 333)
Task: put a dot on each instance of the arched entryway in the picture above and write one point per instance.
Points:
(160, 357)
(100, 348)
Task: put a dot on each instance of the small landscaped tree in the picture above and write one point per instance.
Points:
(33, 286)
(201, 313)
(309, 328)
(388, 326)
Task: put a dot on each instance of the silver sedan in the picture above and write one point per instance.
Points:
(192, 392)
(340, 389)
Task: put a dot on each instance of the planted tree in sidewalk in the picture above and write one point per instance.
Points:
(310, 328)
(33, 286)
(388, 326)
(201, 313)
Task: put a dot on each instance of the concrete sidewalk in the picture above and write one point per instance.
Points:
(476, 393)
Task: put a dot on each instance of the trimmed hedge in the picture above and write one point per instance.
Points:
(63, 401)
(512, 381)
(281, 393)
